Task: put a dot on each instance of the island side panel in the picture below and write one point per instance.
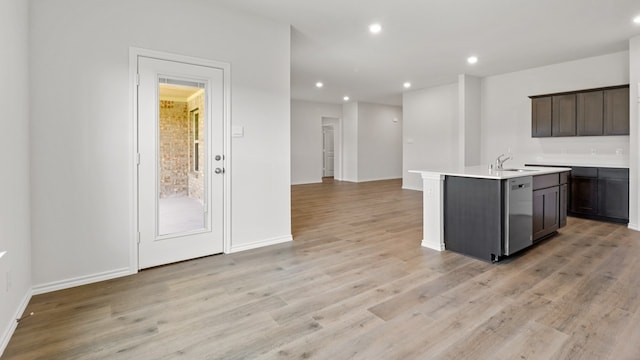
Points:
(432, 211)
(473, 217)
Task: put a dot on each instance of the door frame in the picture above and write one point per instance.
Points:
(336, 123)
(324, 149)
(134, 53)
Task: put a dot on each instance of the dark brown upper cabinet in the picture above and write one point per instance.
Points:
(592, 112)
(541, 117)
(616, 111)
(563, 120)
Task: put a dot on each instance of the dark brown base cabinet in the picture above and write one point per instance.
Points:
(613, 193)
(549, 204)
(545, 212)
(583, 198)
(600, 194)
(564, 197)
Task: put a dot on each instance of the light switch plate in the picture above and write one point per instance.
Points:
(237, 131)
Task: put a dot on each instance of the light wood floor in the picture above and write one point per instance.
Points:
(355, 284)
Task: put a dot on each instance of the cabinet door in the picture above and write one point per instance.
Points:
(613, 193)
(564, 115)
(613, 198)
(545, 212)
(541, 117)
(616, 111)
(538, 214)
(562, 212)
(590, 113)
(584, 192)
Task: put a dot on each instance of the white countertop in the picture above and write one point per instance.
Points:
(483, 172)
(578, 163)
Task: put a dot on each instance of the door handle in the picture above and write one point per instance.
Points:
(219, 170)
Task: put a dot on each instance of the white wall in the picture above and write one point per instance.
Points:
(634, 115)
(14, 157)
(81, 123)
(350, 142)
(469, 111)
(506, 112)
(430, 131)
(306, 139)
(379, 142)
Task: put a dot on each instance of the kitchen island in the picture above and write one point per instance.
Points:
(488, 213)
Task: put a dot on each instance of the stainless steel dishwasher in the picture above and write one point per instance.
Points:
(518, 214)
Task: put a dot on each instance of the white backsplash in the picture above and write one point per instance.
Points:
(595, 159)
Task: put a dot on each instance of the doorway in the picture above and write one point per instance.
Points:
(182, 172)
(331, 147)
(328, 151)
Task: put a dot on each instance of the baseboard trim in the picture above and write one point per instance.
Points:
(432, 246)
(379, 179)
(261, 243)
(80, 280)
(412, 188)
(304, 182)
(13, 324)
(633, 227)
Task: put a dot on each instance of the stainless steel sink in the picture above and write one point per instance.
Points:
(517, 170)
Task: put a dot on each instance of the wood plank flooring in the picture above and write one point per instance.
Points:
(356, 284)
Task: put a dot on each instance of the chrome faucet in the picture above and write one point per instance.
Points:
(500, 161)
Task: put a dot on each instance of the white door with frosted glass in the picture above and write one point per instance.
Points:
(328, 151)
(181, 167)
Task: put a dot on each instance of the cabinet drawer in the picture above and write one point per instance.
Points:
(584, 172)
(564, 177)
(612, 173)
(545, 181)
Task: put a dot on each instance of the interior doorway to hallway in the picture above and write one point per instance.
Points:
(331, 148)
(328, 152)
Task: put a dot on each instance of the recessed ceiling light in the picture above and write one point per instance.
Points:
(406, 85)
(472, 59)
(346, 98)
(636, 19)
(319, 84)
(375, 28)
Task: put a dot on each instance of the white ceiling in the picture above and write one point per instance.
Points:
(427, 42)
